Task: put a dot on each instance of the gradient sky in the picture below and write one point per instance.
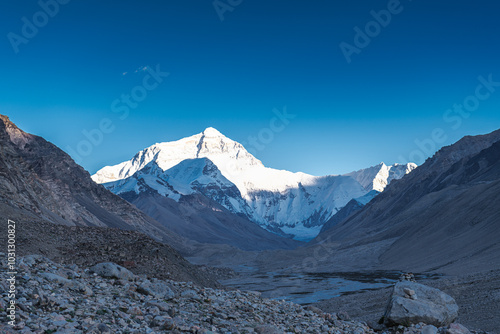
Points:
(230, 74)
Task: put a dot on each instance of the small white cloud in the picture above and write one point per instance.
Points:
(142, 68)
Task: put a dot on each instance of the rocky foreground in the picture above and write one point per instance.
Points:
(107, 298)
(477, 295)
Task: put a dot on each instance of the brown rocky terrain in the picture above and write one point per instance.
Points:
(86, 246)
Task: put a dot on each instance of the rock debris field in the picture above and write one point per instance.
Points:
(107, 298)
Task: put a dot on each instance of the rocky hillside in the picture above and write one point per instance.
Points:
(86, 246)
(38, 177)
(444, 215)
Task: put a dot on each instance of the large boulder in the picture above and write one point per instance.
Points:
(159, 290)
(412, 303)
(112, 270)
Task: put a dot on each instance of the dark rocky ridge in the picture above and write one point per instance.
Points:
(40, 186)
(445, 214)
(38, 177)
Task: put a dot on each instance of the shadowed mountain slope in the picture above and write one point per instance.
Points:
(444, 215)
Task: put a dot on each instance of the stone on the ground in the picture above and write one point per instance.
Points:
(267, 329)
(429, 329)
(157, 290)
(55, 278)
(112, 270)
(432, 306)
(456, 328)
(343, 315)
(314, 309)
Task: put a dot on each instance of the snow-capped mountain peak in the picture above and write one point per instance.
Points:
(212, 132)
(230, 156)
(223, 170)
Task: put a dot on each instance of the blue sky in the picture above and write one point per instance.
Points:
(232, 73)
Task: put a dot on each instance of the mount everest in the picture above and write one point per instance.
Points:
(209, 163)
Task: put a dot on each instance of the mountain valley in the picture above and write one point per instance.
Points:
(289, 235)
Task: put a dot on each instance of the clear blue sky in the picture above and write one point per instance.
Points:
(231, 74)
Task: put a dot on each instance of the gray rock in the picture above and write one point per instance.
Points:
(169, 325)
(429, 329)
(343, 315)
(56, 278)
(432, 307)
(457, 329)
(134, 310)
(59, 323)
(66, 331)
(158, 290)
(82, 288)
(112, 270)
(103, 328)
(314, 309)
(375, 325)
(162, 306)
(46, 306)
(30, 260)
(409, 291)
(267, 329)
(191, 294)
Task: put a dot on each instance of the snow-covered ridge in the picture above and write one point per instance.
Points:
(222, 169)
(378, 177)
(208, 144)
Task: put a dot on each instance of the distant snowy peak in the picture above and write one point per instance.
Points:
(230, 156)
(209, 163)
(378, 177)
